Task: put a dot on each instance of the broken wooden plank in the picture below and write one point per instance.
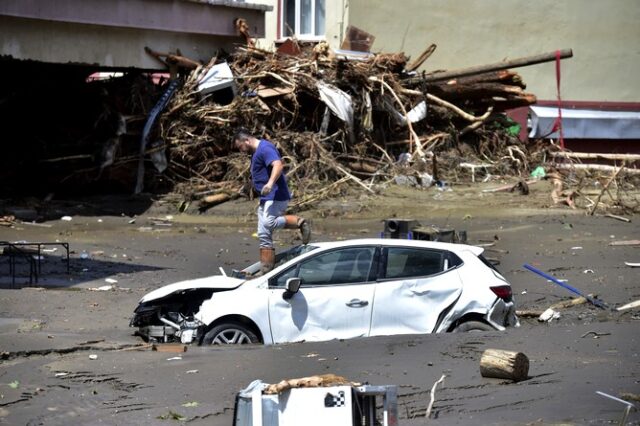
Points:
(632, 305)
(613, 216)
(596, 156)
(594, 167)
(625, 243)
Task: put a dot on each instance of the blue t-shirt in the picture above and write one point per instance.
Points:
(265, 154)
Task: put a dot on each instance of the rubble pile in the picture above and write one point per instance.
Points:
(341, 121)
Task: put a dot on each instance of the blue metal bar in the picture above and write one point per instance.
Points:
(596, 302)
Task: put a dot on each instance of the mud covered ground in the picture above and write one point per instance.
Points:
(50, 331)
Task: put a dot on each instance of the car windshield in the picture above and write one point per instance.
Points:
(281, 258)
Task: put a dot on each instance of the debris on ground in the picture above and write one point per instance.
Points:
(322, 380)
(342, 120)
(339, 121)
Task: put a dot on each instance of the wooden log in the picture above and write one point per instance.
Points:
(216, 198)
(569, 303)
(514, 63)
(508, 77)
(477, 91)
(361, 166)
(501, 364)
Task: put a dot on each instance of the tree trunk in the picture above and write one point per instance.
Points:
(502, 364)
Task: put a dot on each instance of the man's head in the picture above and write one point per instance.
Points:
(243, 140)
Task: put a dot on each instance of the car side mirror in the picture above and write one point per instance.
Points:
(291, 287)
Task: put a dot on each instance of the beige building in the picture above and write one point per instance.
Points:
(604, 36)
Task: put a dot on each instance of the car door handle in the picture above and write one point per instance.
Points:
(357, 303)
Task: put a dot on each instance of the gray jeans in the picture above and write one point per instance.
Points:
(270, 217)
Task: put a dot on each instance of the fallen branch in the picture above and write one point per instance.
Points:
(604, 188)
(420, 60)
(613, 216)
(460, 112)
(412, 132)
(432, 395)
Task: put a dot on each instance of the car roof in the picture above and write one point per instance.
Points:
(456, 248)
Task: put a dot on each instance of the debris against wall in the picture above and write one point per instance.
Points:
(341, 119)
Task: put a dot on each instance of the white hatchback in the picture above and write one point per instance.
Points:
(335, 290)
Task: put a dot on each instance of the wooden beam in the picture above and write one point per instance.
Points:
(597, 155)
(594, 167)
(513, 63)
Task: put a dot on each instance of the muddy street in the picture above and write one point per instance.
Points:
(69, 356)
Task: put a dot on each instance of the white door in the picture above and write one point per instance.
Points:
(334, 301)
(416, 287)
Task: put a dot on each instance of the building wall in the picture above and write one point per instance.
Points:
(604, 36)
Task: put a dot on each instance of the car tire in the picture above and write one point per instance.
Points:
(230, 333)
(473, 326)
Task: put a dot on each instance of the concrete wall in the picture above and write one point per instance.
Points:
(114, 33)
(60, 42)
(604, 36)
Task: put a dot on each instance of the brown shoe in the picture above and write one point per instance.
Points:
(305, 230)
(293, 222)
(267, 259)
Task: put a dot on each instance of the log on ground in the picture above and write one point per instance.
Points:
(501, 364)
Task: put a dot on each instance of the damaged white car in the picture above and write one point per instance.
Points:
(335, 290)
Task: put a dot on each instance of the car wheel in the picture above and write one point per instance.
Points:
(230, 333)
(473, 326)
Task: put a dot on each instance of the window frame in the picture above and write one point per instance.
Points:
(445, 255)
(312, 36)
(373, 270)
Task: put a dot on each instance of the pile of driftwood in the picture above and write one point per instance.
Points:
(341, 121)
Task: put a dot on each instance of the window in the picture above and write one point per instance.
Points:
(409, 262)
(303, 19)
(344, 266)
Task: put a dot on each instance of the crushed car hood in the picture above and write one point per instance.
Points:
(217, 281)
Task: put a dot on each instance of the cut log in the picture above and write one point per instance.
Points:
(501, 364)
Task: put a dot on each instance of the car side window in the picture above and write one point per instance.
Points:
(405, 262)
(343, 266)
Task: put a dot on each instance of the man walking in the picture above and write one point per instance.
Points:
(269, 180)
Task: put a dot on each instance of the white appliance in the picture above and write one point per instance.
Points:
(217, 78)
(319, 406)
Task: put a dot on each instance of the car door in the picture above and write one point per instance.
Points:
(414, 287)
(334, 300)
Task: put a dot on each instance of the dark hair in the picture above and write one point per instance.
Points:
(241, 134)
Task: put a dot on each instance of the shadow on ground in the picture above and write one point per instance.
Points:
(54, 271)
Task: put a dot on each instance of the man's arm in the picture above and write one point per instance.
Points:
(276, 171)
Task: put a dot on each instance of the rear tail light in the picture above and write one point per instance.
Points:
(503, 292)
